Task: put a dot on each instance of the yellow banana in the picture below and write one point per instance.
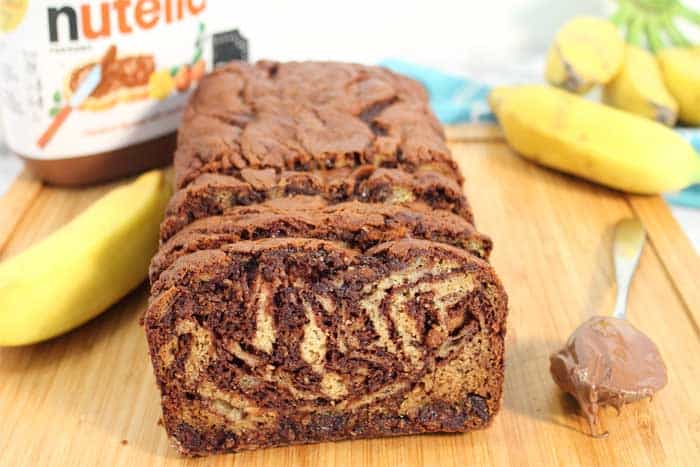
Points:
(585, 52)
(84, 267)
(594, 141)
(681, 71)
(639, 88)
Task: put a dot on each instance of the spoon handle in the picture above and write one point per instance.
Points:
(627, 248)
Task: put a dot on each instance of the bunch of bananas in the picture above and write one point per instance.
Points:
(629, 147)
(655, 74)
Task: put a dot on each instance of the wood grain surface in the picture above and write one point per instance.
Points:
(89, 397)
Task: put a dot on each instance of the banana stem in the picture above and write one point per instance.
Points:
(621, 16)
(653, 37)
(650, 23)
(653, 7)
(674, 34)
(685, 12)
(635, 32)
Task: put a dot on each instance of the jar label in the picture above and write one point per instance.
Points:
(80, 78)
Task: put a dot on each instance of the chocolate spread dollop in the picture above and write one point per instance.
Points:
(607, 361)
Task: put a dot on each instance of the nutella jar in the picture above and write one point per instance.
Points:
(94, 90)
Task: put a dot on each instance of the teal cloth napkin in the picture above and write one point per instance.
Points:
(456, 99)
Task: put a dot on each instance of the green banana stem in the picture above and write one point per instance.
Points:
(652, 21)
(674, 34)
(621, 16)
(635, 32)
(685, 12)
(653, 7)
(654, 39)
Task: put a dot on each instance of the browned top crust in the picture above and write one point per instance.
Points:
(358, 225)
(308, 115)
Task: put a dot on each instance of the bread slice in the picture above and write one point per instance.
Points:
(356, 224)
(215, 194)
(285, 341)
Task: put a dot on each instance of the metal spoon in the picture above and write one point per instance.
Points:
(627, 248)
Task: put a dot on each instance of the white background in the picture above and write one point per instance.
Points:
(495, 41)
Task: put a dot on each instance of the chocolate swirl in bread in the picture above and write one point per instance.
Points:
(280, 341)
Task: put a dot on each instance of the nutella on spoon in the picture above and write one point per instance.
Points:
(607, 361)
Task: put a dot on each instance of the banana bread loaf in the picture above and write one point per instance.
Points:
(319, 275)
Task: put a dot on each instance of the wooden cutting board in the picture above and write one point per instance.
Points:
(89, 397)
